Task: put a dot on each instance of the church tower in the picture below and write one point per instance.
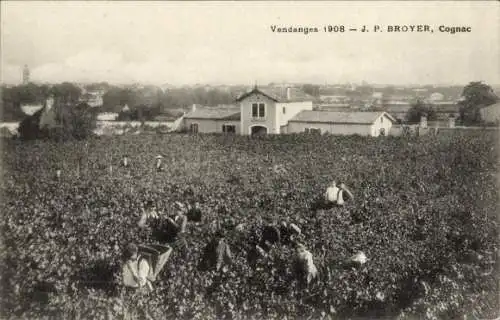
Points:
(26, 74)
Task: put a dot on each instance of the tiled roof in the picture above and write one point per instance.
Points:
(217, 113)
(396, 108)
(279, 94)
(493, 106)
(165, 118)
(338, 117)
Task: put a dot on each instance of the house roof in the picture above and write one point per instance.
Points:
(30, 109)
(339, 117)
(165, 118)
(230, 112)
(493, 106)
(279, 94)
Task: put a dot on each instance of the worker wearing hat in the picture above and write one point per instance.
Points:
(124, 161)
(159, 164)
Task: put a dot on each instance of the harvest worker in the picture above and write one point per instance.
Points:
(148, 211)
(357, 260)
(194, 213)
(337, 195)
(289, 232)
(143, 264)
(217, 254)
(178, 224)
(304, 265)
(159, 164)
(125, 161)
(270, 235)
(58, 174)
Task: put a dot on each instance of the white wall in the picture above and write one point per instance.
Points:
(107, 116)
(491, 113)
(31, 109)
(291, 110)
(382, 122)
(269, 121)
(12, 126)
(341, 129)
(210, 125)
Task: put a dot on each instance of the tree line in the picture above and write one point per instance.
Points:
(75, 118)
(146, 102)
(475, 95)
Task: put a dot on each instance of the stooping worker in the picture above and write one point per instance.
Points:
(256, 254)
(289, 232)
(177, 225)
(304, 265)
(148, 212)
(143, 264)
(338, 195)
(270, 235)
(194, 212)
(217, 254)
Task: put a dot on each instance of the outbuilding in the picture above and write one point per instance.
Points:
(342, 123)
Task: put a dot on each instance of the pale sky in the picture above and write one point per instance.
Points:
(232, 42)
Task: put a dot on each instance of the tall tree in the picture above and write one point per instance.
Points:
(311, 89)
(475, 95)
(66, 93)
(418, 109)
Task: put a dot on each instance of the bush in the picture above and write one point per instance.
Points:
(60, 123)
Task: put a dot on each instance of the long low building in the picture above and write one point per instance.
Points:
(342, 123)
(215, 119)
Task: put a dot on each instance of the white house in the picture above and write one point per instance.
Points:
(260, 111)
(343, 123)
(282, 110)
(268, 111)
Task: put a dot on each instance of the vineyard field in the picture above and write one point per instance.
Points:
(424, 212)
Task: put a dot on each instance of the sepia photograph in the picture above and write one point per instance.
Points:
(247, 160)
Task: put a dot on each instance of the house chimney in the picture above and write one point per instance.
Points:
(423, 121)
(451, 121)
(193, 107)
(288, 93)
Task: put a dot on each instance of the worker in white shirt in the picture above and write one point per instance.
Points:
(124, 162)
(143, 264)
(58, 174)
(159, 164)
(304, 265)
(338, 195)
(357, 260)
(140, 269)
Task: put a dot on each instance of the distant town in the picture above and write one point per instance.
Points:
(168, 103)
